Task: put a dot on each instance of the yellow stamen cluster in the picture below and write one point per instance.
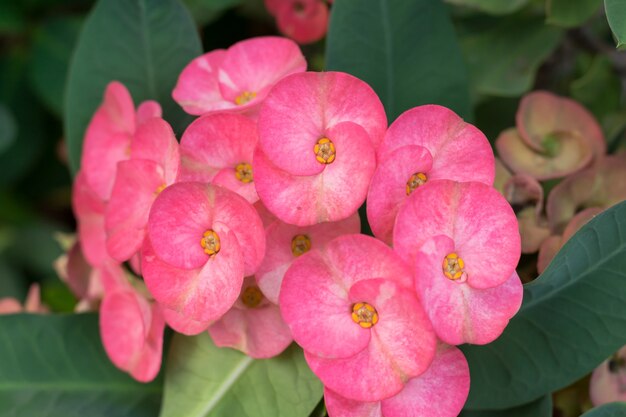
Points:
(252, 296)
(364, 315)
(324, 151)
(453, 266)
(160, 188)
(417, 179)
(243, 172)
(245, 97)
(210, 242)
(300, 244)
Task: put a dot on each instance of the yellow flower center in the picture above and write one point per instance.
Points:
(417, 179)
(244, 97)
(252, 296)
(364, 315)
(300, 244)
(160, 188)
(210, 242)
(324, 151)
(243, 172)
(453, 266)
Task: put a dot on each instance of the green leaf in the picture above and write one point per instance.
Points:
(538, 408)
(203, 380)
(145, 44)
(55, 366)
(599, 88)
(617, 409)
(52, 48)
(570, 13)
(406, 50)
(206, 11)
(8, 127)
(496, 7)
(616, 15)
(572, 318)
(503, 54)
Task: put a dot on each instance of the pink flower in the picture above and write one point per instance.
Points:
(253, 325)
(304, 21)
(349, 306)
(218, 148)
(317, 138)
(84, 281)
(89, 211)
(441, 391)
(425, 143)
(463, 242)
(239, 78)
(202, 240)
(608, 381)
(285, 243)
(32, 304)
(109, 134)
(153, 165)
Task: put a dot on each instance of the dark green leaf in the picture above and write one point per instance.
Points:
(8, 127)
(570, 13)
(599, 88)
(496, 7)
(617, 409)
(539, 408)
(616, 15)
(142, 43)
(503, 54)
(206, 11)
(572, 318)
(203, 380)
(406, 50)
(55, 366)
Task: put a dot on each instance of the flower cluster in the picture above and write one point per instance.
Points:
(249, 229)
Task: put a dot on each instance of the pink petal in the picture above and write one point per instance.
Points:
(89, 211)
(475, 216)
(388, 189)
(148, 110)
(607, 381)
(227, 178)
(279, 255)
(197, 89)
(338, 406)
(136, 187)
(149, 362)
(155, 141)
(458, 312)
(183, 324)
(547, 251)
(334, 194)
(112, 277)
(255, 65)
(10, 305)
(78, 272)
(266, 216)
(533, 230)
(302, 108)
(303, 26)
(33, 300)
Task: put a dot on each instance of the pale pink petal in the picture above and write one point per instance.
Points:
(33, 300)
(502, 176)
(334, 194)
(155, 141)
(183, 324)
(547, 251)
(338, 406)
(303, 21)
(227, 178)
(266, 216)
(111, 277)
(148, 363)
(10, 306)
(78, 272)
(136, 187)
(475, 216)
(197, 89)
(533, 230)
(608, 380)
(89, 210)
(148, 110)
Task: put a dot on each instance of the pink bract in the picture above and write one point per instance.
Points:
(239, 78)
(218, 148)
(304, 21)
(474, 216)
(423, 144)
(441, 391)
(317, 137)
(253, 325)
(285, 243)
(202, 239)
(323, 294)
(153, 166)
(109, 135)
(89, 211)
(83, 280)
(32, 304)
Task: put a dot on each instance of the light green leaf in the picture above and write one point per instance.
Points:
(503, 54)
(616, 15)
(538, 408)
(203, 380)
(570, 13)
(406, 50)
(55, 366)
(145, 44)
(496, 7)
(617, 409)
(572, 318)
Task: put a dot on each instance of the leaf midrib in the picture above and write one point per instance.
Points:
(80, 386)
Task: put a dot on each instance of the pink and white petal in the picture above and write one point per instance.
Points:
(178, 219)
(148, 110)
(314, 301)
(197, 89)
(89, 211)
(334, 194)
(303, 26)
(458, 312)
(214, 142)
(183, 324)
(241, 218)
(126, 217)
(256, 64)
(155, 141)
(148, 361)
(439, 392)
(388, 189)
(203, 294)
(532, 230)
(226, 178)
(338, 406)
